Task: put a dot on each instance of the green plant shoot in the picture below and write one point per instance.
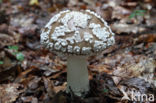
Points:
(19, 55)
(1, 62)
(137, 13)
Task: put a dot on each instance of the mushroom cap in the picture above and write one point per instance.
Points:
(77, 33)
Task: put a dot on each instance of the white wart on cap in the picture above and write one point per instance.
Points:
(75, 32)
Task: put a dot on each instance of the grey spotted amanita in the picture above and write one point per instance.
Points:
(77, 34)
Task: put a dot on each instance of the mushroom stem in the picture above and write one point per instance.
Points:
(77, 75)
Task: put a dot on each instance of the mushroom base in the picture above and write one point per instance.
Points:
(77, 75)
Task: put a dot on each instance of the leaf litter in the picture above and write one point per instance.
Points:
(37, 76)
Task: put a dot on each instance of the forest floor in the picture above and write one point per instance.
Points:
(31, 74)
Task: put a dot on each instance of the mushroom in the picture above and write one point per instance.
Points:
(77, 34)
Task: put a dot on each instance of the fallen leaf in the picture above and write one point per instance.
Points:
(6, 40)
(29, 99)
(49, 87)
(120, 12)
(60, 88)
(9, 92)
(33, 2)
(145, 38)
(127, 28)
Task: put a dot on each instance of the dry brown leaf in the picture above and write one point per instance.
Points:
(29, 99)
(33, 2)
(90, 2)
(60, 88)
(9, 92)
(120, 12)
(6, 40)
(72, 2)
(101, 68)
(7, 69)
(49, 87)
(146, 38)
(142, 67)
(21, 78)
(127, 28)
